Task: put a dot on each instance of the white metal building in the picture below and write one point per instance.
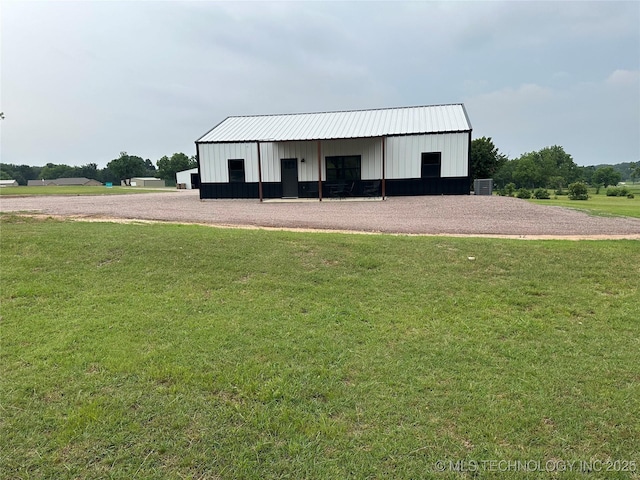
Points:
(393, 151)
(189, 179)
(146, 182)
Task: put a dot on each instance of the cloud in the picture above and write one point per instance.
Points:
(89, 79)
(624, 78)
(593, 121)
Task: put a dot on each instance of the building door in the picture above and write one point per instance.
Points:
(289, 176)
(195, 180)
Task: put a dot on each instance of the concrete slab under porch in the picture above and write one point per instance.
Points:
(329, 199)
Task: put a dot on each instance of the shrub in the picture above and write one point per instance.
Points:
(617, 192)
(578, 191)
(523, 193)
(630, 195)
(559, 191)
(510, 189)
(541, 194)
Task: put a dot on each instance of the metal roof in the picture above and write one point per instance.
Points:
(336, 125)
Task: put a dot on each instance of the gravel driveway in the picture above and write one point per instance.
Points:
(445, 215)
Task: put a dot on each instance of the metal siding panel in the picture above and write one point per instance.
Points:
(215, 153)
(204, 161)
(269, 155)
(405, 146)
(404, 154)
(372, 160)
(250, 162)
(214, 159)
(216, 174)
(392, 158)
(309, 170)
(413, 159)
(201, 155)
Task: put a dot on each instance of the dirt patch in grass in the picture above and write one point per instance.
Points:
(79, 218)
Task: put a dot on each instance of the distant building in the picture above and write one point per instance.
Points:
(188, 179)
(76, 181)
(8, 183)
(146, 182)
(65, 182)
(390, 151)
(39, 183)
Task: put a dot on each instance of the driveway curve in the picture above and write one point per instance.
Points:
(426, 215)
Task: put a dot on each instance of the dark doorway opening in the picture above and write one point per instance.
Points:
(289, 177)
(195, 181)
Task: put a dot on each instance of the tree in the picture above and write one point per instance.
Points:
(549, 167)
(52, 171)
(606, 176)
(167, 167)
(504, 175)
(127, 166)
(635, 171)
(90, 170)
(557, 163)
(528, 171)
(578, 191)
(151, 168)
(486, 160)
(586, 174)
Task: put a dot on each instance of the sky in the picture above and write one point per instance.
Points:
(82, 81)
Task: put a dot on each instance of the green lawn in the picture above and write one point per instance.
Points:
(78, 190)
(178, 351)
(600, 204)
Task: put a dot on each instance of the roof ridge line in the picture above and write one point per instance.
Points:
(344, 111)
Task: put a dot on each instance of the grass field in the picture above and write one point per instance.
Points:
(600, 204)
(78, 190)
(176, 351)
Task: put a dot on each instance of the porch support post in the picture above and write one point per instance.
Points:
(384, 182)
(319, 172)
(259, 173)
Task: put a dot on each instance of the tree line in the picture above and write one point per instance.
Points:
(550, 167)
(121, 168)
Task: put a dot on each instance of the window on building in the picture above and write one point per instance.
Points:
(431, 162)
(236, 171)
(343, 168)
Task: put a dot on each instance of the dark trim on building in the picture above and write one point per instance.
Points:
(319, 170)
(229, 190)
(428, 186)
(469, 172)
(259, 173)
(199, 168)
(394, 187)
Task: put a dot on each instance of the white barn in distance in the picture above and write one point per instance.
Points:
(393, 151)
(188, 179)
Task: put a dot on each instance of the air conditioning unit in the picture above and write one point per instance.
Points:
(483, 186)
